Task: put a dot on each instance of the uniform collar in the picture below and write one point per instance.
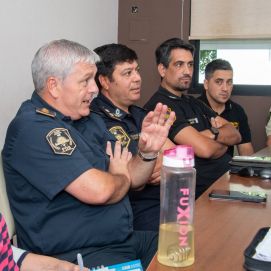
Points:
(163, 91)
(108, 108)
(42, 106)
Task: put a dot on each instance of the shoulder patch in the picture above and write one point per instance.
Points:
(60, 141)
(46, 112)
(119, 133)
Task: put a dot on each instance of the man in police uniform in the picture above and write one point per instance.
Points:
(119, 82)
(65, 196)
(196, 124)
(218, 85)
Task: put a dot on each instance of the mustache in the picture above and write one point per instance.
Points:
(186, 77)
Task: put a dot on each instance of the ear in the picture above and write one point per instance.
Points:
(104, 81)
(52, 85)
(205, 84)
(161, 69)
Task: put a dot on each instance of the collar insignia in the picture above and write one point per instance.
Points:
(109, 114)
(60, 141)
(120, 135)
(118, 113)
(46, 112)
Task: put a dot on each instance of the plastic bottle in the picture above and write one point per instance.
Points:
(176, 232)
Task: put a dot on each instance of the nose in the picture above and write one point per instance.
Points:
(186, 69)
(137, 76)
(93, 88)
(225, 86)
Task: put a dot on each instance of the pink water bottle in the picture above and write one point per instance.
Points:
(176, 232)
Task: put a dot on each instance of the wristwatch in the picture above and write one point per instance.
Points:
(215, 132)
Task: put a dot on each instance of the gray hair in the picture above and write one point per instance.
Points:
(58, 58)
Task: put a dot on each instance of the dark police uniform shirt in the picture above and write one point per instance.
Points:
(235, 114)
(43, 153)
(126, 128)
(191, 112)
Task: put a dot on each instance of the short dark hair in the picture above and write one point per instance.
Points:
(111, 55)
(217, 64)
(162, 53)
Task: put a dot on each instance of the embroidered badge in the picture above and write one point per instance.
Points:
(46, 112)
(120, 135)
(235, 124)
(61, 141)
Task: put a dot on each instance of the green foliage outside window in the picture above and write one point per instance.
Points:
(205, 57)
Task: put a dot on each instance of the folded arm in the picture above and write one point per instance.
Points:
(98, 187)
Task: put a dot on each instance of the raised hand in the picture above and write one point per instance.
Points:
(155, 128)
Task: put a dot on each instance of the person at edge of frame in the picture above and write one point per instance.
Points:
(68, 191)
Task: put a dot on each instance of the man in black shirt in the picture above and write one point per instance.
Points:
(196, 124)
(218, 85)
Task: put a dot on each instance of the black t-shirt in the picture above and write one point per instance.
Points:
(235, 114)
(192, 112)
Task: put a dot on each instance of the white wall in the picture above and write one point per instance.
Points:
(25, 25)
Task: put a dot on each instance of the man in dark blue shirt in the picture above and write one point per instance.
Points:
(119, 81)
(196, 124)
(64, 194)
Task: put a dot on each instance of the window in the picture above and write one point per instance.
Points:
(250, 59)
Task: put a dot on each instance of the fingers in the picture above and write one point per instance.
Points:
(119, 153)
(109, 148)
(170, 119)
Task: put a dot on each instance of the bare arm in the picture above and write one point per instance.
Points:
(203, 146)
(228, 134)
(156, 174)
(98, 187)
(34, 262)
(245, 149)
(154, 132)
(268, 142)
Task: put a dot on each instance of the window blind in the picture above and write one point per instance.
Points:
(230, 19)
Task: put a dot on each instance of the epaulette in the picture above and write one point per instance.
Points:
(46, 112)
(108, 113)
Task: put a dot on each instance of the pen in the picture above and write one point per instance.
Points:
(80, 261)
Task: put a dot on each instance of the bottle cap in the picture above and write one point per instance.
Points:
(179, 156)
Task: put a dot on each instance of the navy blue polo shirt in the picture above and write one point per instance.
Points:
(191, 112)
(126, 128)
(43, 153)
(236, 115)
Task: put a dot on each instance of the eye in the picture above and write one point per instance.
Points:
(218, 82)
(127, 73)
